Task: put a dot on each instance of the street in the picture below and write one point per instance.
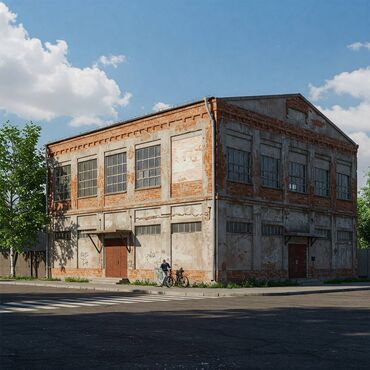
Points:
(50, 328)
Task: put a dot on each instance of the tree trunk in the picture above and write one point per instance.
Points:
(12, 262)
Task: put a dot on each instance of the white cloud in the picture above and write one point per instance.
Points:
(37, 81)
(160, 106)
(112, 60)
(355, 119)
(356, 46)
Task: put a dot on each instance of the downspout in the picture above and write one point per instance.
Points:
(214, 193)
(47, 213)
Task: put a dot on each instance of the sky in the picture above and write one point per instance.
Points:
(75, 65)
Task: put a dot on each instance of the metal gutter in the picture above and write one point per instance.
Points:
(214, 193)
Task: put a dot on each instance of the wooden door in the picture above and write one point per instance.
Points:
(297, 261)
(116, 258)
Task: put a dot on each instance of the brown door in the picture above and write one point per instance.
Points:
(116, 258)
(297, 260)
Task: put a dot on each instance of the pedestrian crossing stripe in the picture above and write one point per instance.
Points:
(53, 304)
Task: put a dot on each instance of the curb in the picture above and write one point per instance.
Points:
(183, 292)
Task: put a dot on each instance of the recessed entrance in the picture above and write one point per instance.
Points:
(116, 257)
(297, 261)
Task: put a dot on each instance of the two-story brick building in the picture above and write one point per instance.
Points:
(226, 188)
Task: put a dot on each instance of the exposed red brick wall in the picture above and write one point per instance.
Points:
(77, 272)
(187, 188)
(271, 194)
(239, 189)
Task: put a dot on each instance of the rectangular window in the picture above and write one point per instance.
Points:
(270, 172)
(297, 177)
(87, 178)
(62, 183)
(343, 186)
(271, 230)
(148, 230)
(62, 235)
(84, 234)
(324, 233)
(186, 227)
(148, 167)
(238, 165)
(321, 182)
(239, 227)
(344, 235)
(115, 173)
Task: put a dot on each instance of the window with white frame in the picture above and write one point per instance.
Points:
(237, 227)
(87, 178)
(148, 167)
(344, 235)
(186, 227)
(297, 177)
(343, 186)
(62, 178)
(272, 230)
(270, 168)
(115, 173)
(321, 182)
(238, 165)
(148, 230)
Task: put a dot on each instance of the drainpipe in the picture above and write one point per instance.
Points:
(47, 213)
(214, 196)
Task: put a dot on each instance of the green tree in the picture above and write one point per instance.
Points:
(363, 209)
(22, 189)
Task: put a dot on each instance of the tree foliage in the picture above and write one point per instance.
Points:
(22, 187)
(363, 209)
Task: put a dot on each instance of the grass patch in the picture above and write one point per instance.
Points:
(350, 280)
(250, 283)
(70, 279)
(142, 283)
(50, 279)
(17, 277)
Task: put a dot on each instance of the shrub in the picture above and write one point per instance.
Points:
(71, 279)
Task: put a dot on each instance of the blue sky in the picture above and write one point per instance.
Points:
(177, 51)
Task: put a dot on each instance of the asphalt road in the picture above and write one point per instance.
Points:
(65, 329)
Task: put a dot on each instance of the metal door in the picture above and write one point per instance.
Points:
(116, 258)
(297, 261)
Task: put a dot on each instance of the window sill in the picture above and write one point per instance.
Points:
(323, 196)
(240, 182)
(271, 187)
(298, 192)
(149, 187)
(346, 200)
(88, 196)
(115, 193)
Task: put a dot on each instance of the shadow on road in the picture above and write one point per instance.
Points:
(212, 338)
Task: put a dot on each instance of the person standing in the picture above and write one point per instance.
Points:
(165, 267)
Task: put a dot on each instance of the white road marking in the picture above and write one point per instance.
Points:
(52, 304)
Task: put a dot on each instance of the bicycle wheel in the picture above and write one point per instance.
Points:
(169, 282)
(184, 282)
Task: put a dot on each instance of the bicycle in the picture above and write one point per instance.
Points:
(181, 279)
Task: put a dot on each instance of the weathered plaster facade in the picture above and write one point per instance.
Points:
(287, 128)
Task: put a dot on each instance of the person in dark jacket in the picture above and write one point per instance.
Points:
(165, 267)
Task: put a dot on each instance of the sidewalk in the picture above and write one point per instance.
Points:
(195, 292)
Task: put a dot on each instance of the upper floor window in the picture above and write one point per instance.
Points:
(87, 178)
(62, 183)
(270, 168)
(323, 233)
(115, 173)
(239, 227)
(343, 186)
(321, 182)
(148, 167)
(238, 165)
(297, 177)
(62, 235)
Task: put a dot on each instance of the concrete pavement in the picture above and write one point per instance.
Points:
(195, 292)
